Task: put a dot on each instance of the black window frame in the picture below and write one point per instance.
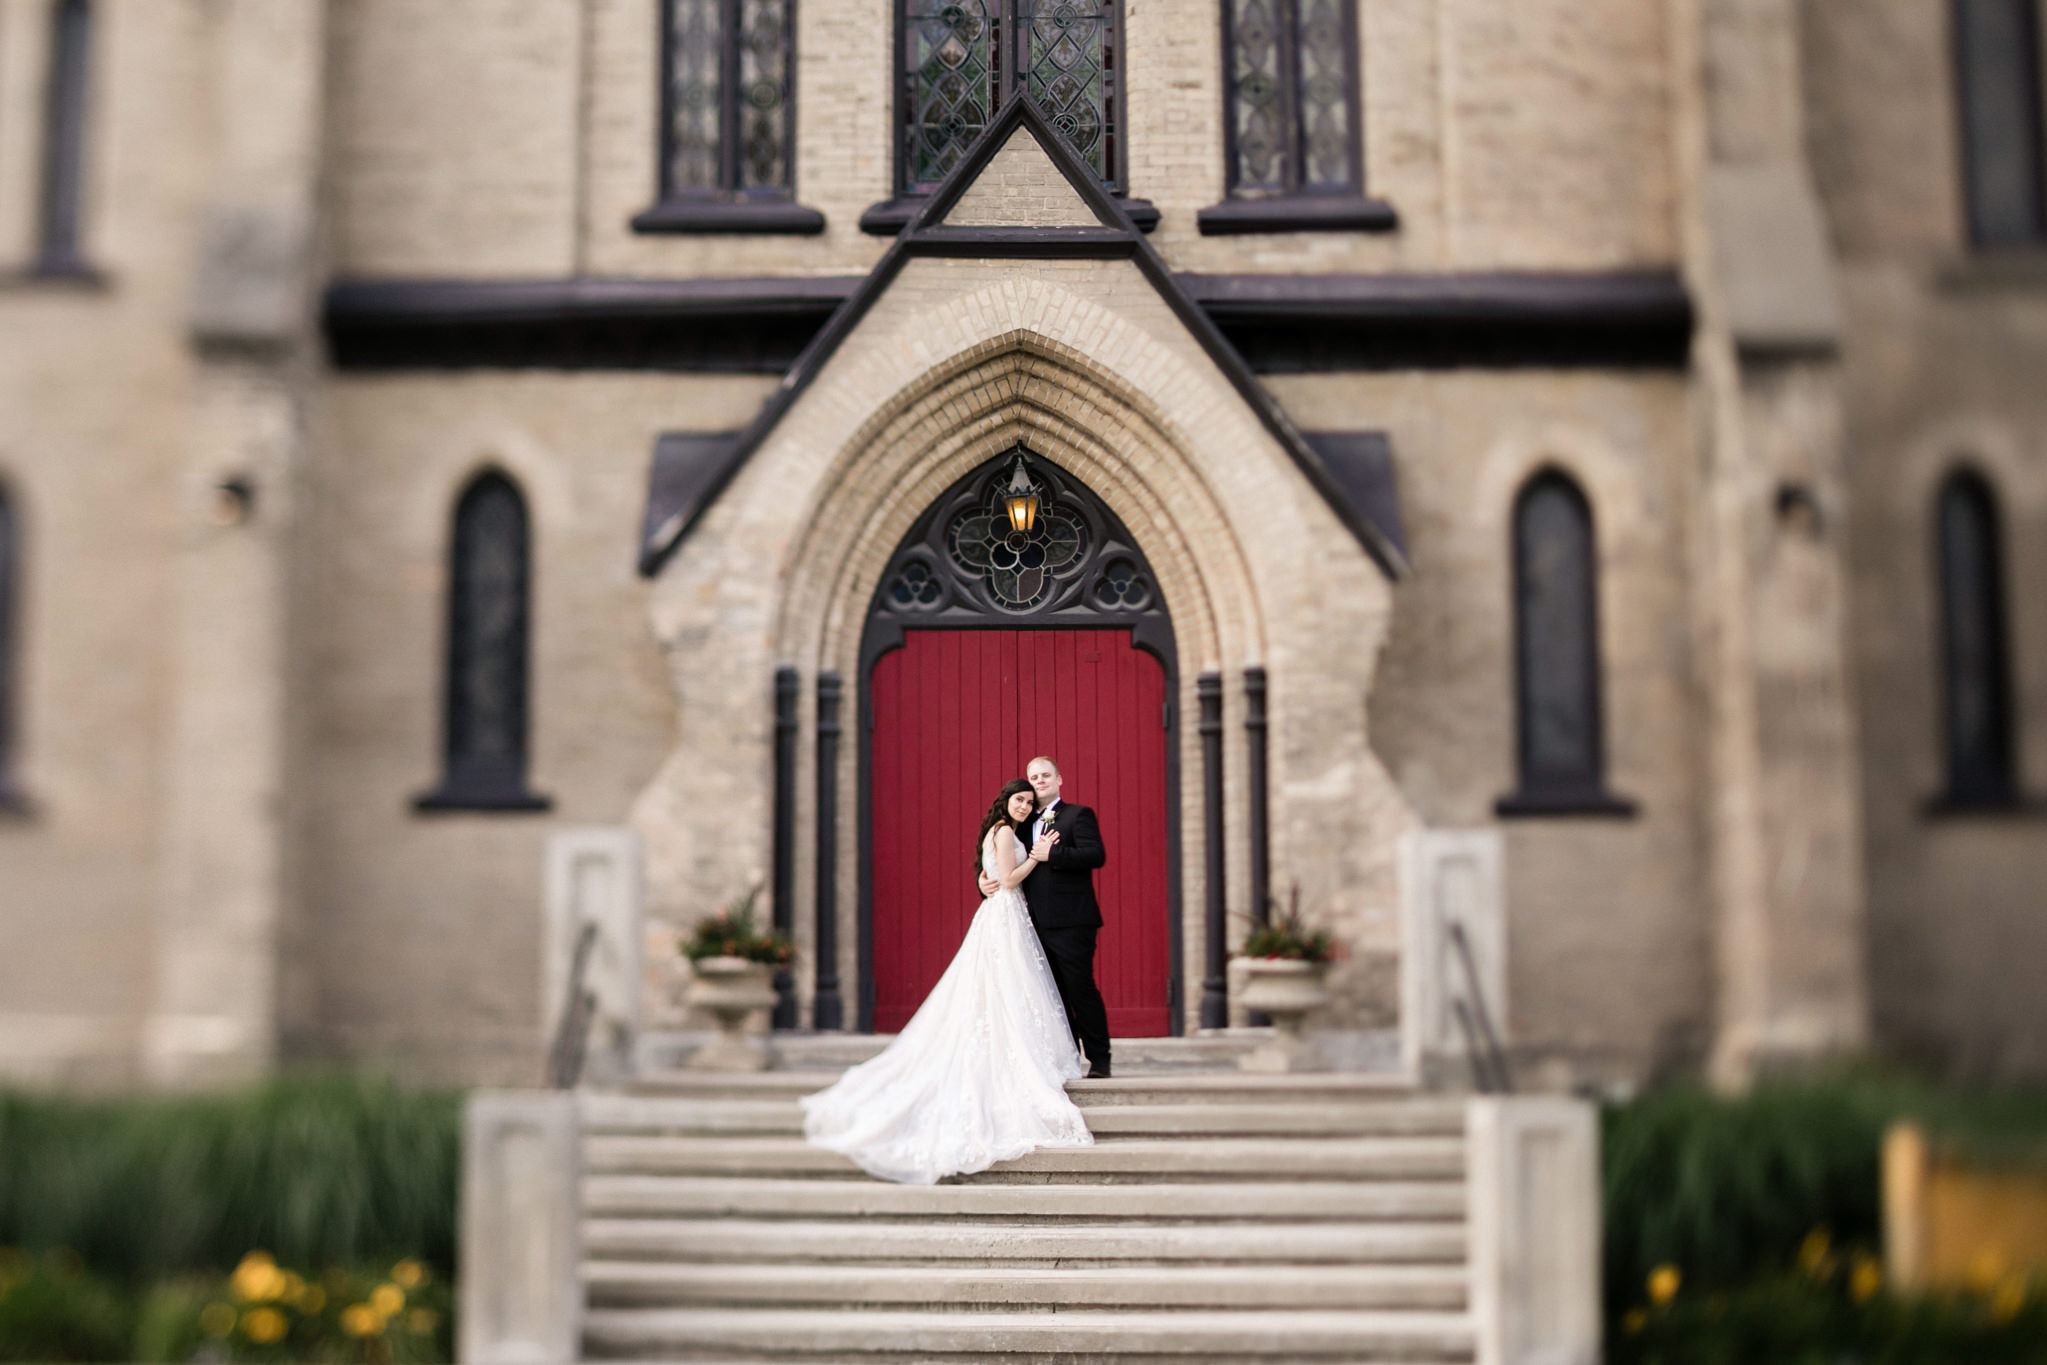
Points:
(1971, 780)
(1967, 81)
(61, 184)
(1011, 47)
(1537, 793)
(472, 781)
(13, 800)
(1298, 207)
(731, 207)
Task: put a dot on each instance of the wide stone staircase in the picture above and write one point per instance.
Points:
(1219, 1217)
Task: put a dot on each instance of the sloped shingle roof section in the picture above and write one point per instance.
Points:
(958, 221)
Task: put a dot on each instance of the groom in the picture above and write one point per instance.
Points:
(1067, 842)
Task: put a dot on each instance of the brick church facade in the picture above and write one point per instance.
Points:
(1571, 468)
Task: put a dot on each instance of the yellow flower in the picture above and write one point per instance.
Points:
(1865, 1280)
(217, 1319)
(264, 1325)
(1815, 1253)
(423, 1321)
(408, 1274)
(257, 1279)
(2008, 1300)
(1663, 1283)
(361, 1320)
(387, 1299)
(1634, 1321)
(1986, 1270)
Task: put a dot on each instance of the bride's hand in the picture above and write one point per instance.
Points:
(1042, 849)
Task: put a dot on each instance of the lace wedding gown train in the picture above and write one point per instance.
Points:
(979, 1073)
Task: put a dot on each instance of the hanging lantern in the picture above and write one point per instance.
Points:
(1021, 499)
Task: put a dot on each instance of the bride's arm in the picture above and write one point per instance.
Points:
(1008, 870)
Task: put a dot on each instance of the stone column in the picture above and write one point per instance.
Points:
(1532, 1182)
(1768, 548)
(214, 1012)
(521, 1216)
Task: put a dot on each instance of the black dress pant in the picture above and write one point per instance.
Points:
(1071, 955)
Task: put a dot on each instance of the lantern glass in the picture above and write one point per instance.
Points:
(1023, 512)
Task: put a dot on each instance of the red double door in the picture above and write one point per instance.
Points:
(957, 713)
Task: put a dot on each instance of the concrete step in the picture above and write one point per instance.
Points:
(1016, 1242)
(1112, 1159)
(791, 1051)
(644, 1196)
(1224, 1115)
(972, 1288)
(679, 1334)
(1225, 1086)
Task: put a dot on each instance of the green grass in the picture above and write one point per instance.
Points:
(318, 1171)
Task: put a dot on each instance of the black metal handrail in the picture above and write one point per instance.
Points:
(572, 1034)
(1488, 1059)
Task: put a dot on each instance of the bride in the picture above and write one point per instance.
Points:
(979, 1073)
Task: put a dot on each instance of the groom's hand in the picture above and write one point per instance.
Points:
(1042, 849)
(989, 886)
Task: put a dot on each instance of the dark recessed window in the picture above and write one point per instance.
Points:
(58, 250)
(1975, 667)
(484, 719)
(1997, 58)
(1291, 73)
(962, 58)
(10, 649)
(728, 126)
(1561, 754)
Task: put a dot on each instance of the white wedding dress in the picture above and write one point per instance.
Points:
(979, 1073)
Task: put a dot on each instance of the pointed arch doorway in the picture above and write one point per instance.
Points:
(986, 645)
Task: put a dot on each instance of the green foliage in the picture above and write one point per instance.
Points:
(52, 1310)
(732, 933)
(1284, 935)
(1745, 1231)
(323, 1171)
(1722, 1187)
(1805, 1318)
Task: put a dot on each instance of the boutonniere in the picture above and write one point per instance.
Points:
(1050, 816)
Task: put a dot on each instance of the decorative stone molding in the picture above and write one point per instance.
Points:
(596, 876)
(521, 1302)
(1532, 1178)
(1449, 876)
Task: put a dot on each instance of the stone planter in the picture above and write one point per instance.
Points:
(1287, 989)
(732, 989)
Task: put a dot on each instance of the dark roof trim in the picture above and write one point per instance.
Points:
(686, 466)
(1361, 462)
(1315, 323)
(1022, 114)
(751, 325)
(1279, 323)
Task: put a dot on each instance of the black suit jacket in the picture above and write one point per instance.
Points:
(1061, 892)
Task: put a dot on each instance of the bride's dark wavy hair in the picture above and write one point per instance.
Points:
(998, 814)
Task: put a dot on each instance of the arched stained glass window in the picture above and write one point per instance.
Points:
(1997, 60)
(1975, 667)
(485, 718)
(10, 652)
(58, 248)
(1561, 751)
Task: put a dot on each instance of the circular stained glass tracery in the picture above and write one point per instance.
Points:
(1019, 567)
